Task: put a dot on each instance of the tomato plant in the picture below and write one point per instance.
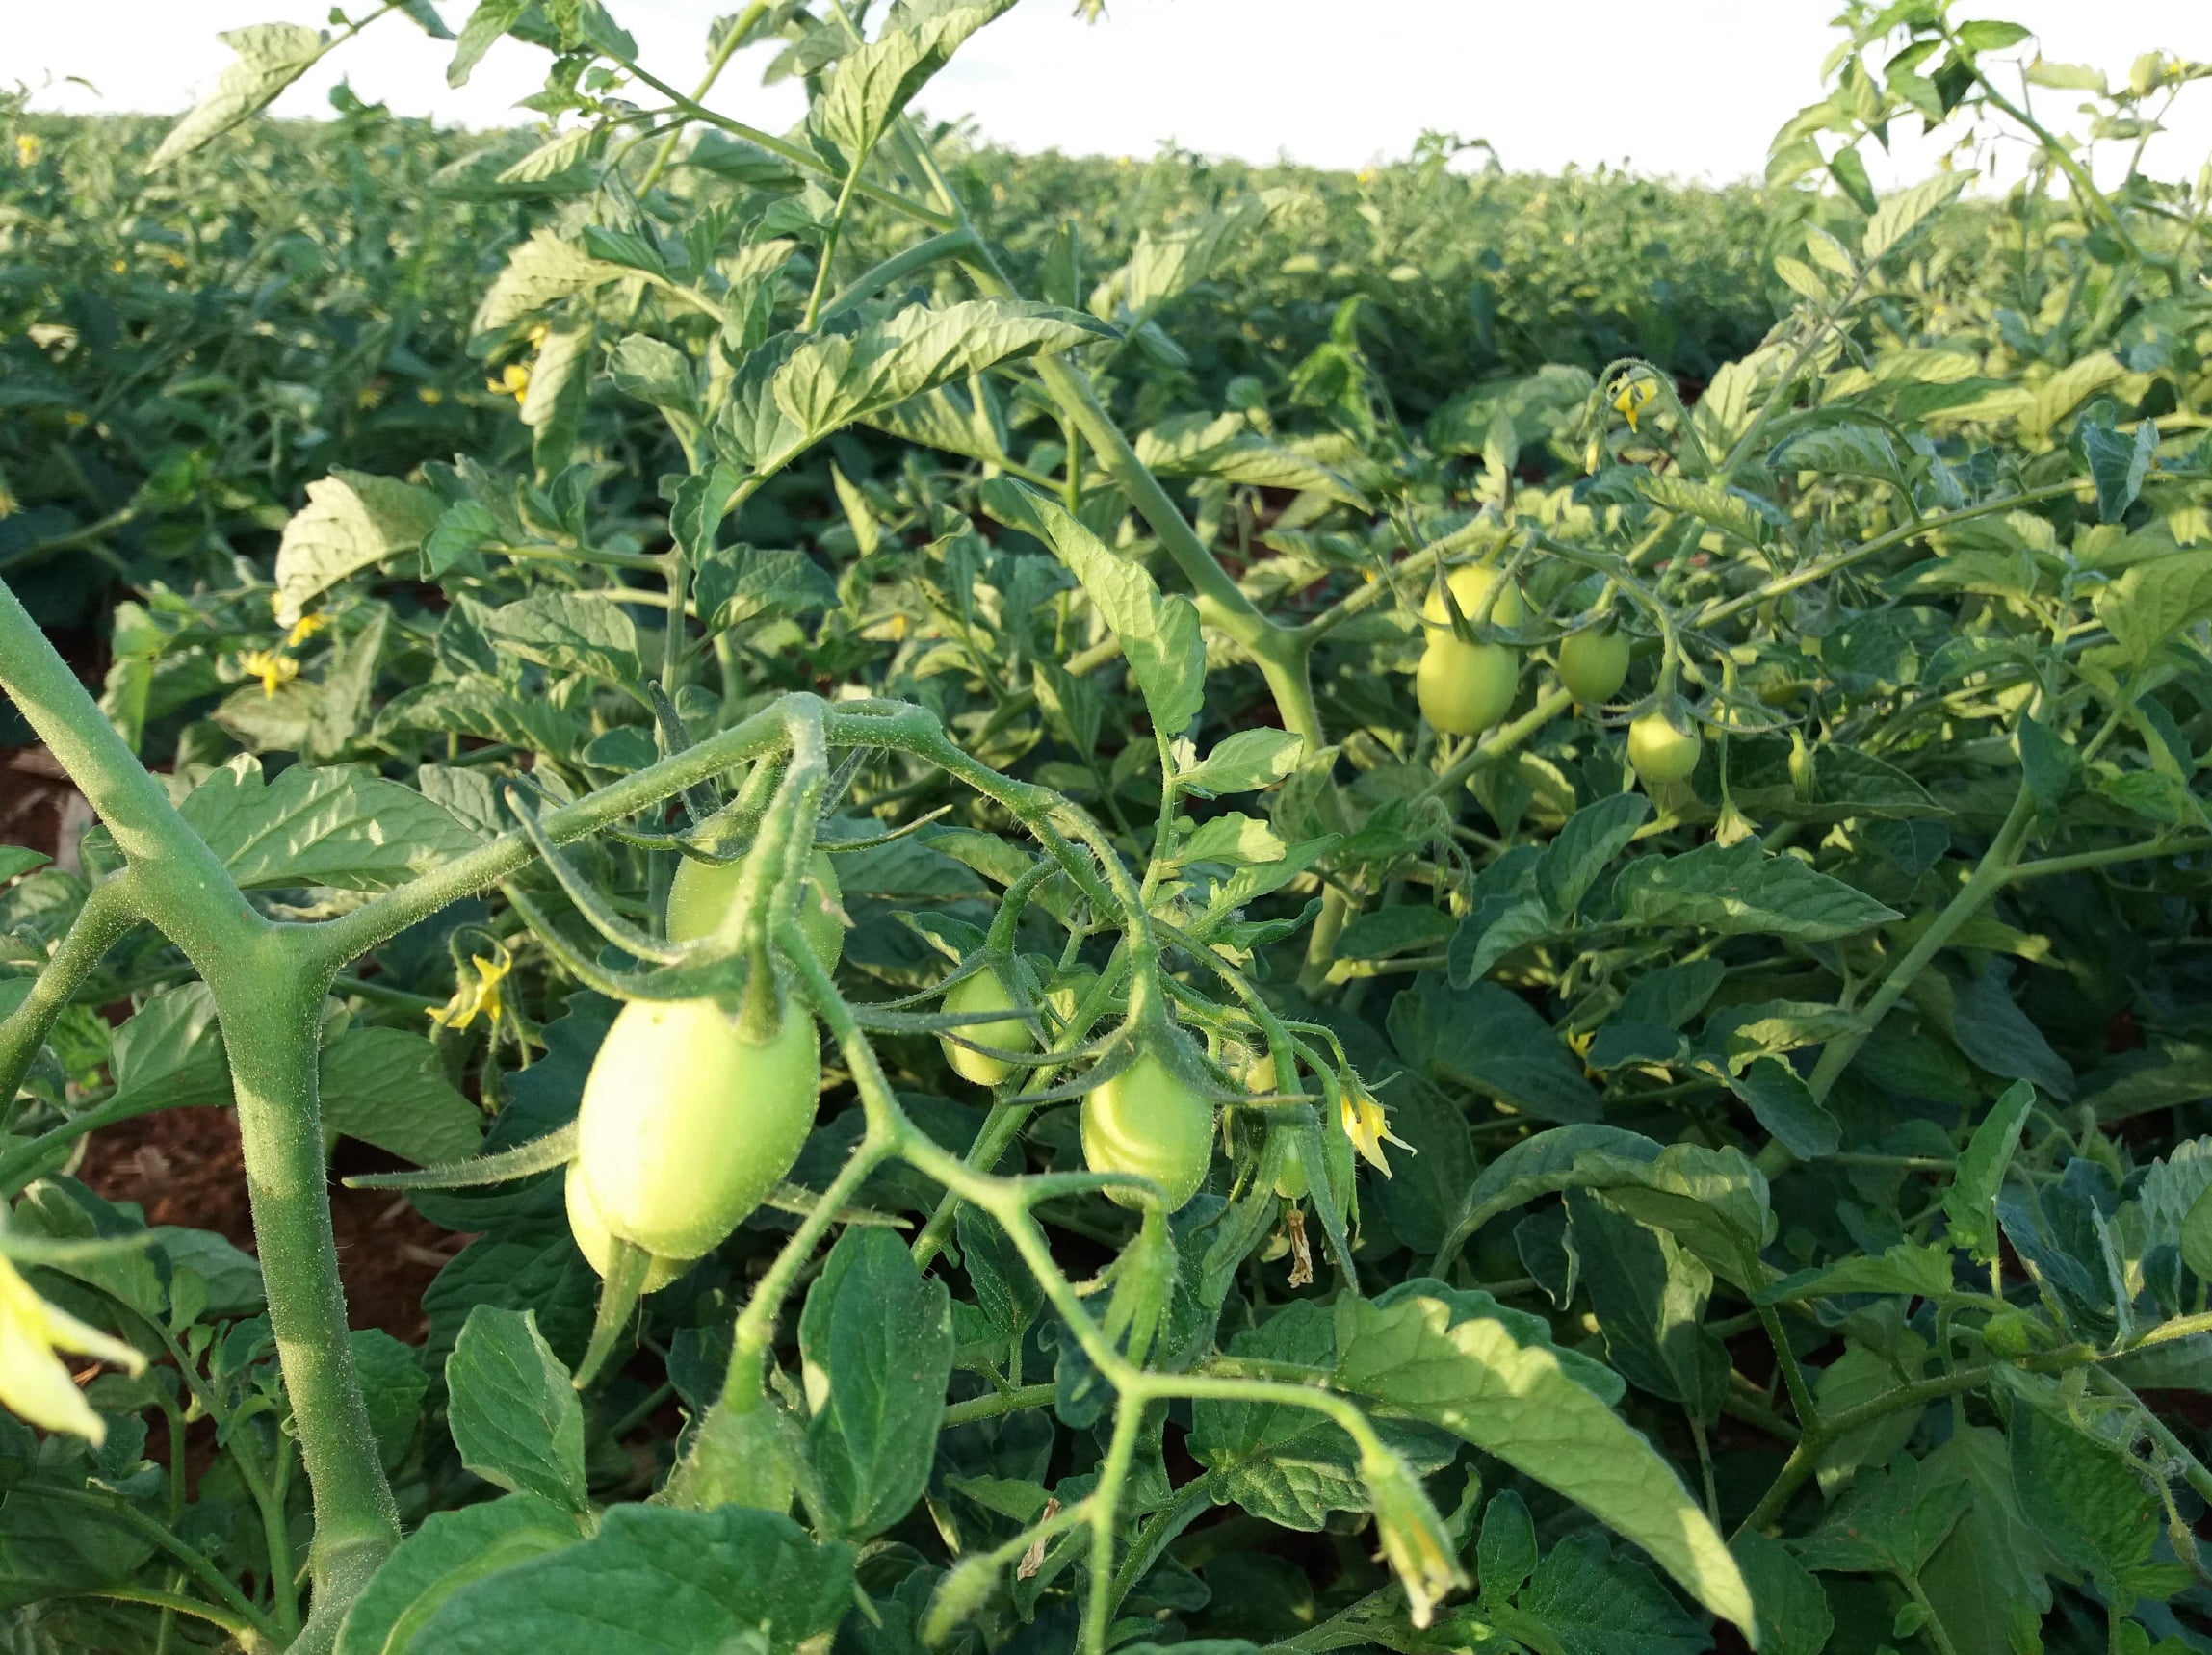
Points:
(892, 786)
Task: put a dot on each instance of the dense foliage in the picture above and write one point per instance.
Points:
(1508, 876)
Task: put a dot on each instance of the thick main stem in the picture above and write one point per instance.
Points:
(270, 1003)
(268, 988)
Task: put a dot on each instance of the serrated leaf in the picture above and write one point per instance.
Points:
(1159, 633)
(570, 633)
(1234, 840)
(1785, 1105)
(1516, 1402)
(1840, 451)
(830, 380)
(490, 20)
(271, 57)
(1593, 837)
(1741, 516)
(446, 1553)
(542, 270)
(484, 707)
(387, 1087)
(2152, 601)
(872, 83)
(1245, 761)
(1890, 1522)
(347, 829)
(2117, 462)
(1970, 1203)
(515, 1416)
(1907, 210)
(1745, 890)
(19, 859)
(654, 371)
(739, 583)
(704, 1583)
(875, 1341)
(352, 520)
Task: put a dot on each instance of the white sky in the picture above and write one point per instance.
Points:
(1692, 88)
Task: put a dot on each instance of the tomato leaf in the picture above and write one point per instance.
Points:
(515, 1416)
(875, 1341)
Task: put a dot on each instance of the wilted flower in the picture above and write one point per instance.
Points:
(1412, 1535)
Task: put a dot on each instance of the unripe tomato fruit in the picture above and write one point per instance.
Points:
(985, 991)
(1145, 1120)
(685, 1124)
(701, 894)
(1464, 688)
(1661, 751)
(1593, 664)
(597, 1245)
(1469, 587)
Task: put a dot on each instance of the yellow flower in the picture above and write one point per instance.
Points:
(483, 997)
(429, 396)
(120, 265)
(1634, 398)
(304, 628)
(537, 335)
(29, 146)
(370, 397)
(34, 1385)
(268, 666)
(513, 381)
(1366, 1124)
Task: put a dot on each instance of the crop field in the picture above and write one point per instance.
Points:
(832, 893)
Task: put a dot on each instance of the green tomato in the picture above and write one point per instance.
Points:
(1464, 688)
(597, 1245)
(1593, 664)
(1145, 1120)
(685, 1124)
(985, 991)
(1469, 587)
(1661, 750)
(701, 894)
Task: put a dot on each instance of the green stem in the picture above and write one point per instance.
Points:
(108, 912)
(1805, 1456)
(147, 1529)
(2141, 851)
(267, 984)
(1827, 566)
(251, 1635)
(1933, 1625)
(1015, 1400)
(1106, 1505)
(270, 1001)
(734, 32)
(28, 1162)
(952, 243)
(1988, 878)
